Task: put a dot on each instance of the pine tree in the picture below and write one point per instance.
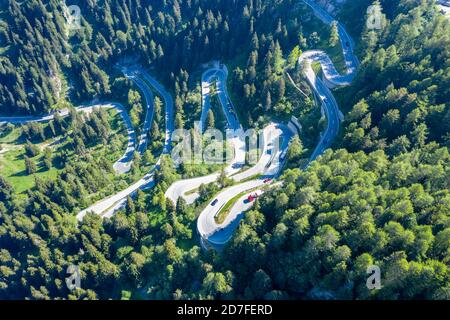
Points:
(130, 207)
(30, 166)
(210, 119)
(268, 103)
(334, 34)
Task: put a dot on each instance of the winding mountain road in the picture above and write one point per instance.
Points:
(149, 109)
(144, 81)
(215, 235)
(109, 206)
(331, 78)
(266, 168)
(181, 188)
(271, 158)
(237, 139)
(169, 110)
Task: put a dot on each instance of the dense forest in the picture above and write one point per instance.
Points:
(381, 196)
(52, 58)
(401, 95)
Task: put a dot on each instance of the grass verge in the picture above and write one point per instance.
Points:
(223, 213)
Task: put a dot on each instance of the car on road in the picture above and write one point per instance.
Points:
(253, 197)
(268, 180)
(214, 202)
(283, 155)
(237, 165)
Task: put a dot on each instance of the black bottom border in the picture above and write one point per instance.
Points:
(226, 309)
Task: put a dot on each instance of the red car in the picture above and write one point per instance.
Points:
(254, 196)
(268, 180)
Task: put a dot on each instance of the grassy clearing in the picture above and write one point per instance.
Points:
(192, 191)
(337, 57)
(155, 146)
(323, 30)
(12, 155)
(239, 61)
(219, 115)
(315, 65)
(334, 52)
(199, 169)
(242, 169)
(254, 177)
(12, 162)
(119, 131)
(11, 137)
(12, 166)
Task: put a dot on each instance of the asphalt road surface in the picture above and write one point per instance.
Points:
(180, 188)
(109, 206)
(270, 162)
(215, 235)
(136, 77)
(331, 78)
